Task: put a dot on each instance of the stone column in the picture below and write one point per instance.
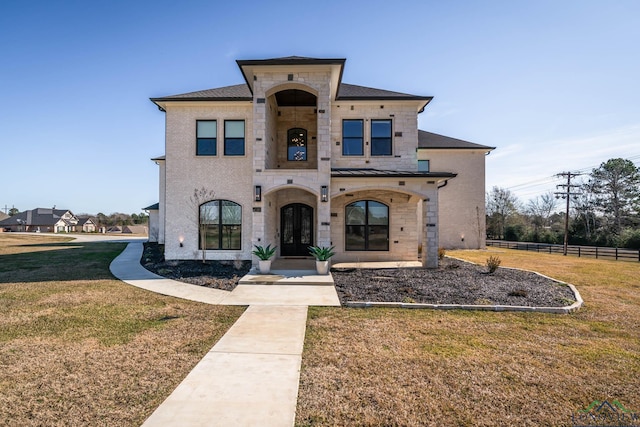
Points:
(430, 230)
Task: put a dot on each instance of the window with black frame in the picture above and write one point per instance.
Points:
(221, 225)
(234, 137)
(367, 226)
(206, 137)
(381, 137)
(352, 138)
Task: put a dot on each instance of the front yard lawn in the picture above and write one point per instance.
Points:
(398, 367)
(79, 348)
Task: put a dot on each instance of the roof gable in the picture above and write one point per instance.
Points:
(243, 92)
(40, 216)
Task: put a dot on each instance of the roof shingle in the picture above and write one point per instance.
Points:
(434, 141)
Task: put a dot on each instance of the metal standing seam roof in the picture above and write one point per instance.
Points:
(381, 173)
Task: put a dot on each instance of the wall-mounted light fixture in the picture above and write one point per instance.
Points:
(462, 237)
(257, 193)
(181, 239)
(324, 193)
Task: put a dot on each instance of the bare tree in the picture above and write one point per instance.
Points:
(540, 209)
(204, 215)
(584, 206)
(501, 205)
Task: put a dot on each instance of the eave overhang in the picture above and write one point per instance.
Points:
(248, 68)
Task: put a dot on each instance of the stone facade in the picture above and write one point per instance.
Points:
(295, 202)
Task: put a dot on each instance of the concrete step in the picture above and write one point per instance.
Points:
(287, 277)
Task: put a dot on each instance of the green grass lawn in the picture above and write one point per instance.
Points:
(394, 367)
(79, 348)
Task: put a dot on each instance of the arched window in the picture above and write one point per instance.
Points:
(297, 144)
(367, 226)
(220, 225)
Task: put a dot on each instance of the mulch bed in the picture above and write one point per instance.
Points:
(212, 274)
(454, 282)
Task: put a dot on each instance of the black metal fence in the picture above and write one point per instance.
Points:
(579, 251)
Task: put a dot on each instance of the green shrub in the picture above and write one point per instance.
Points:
(264, 253)
(493, 262)
(630, 239)
(322, 253)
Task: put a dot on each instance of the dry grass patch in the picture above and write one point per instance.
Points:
(78, 347)
(393, 367)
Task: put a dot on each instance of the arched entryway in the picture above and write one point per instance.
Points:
(296, 229)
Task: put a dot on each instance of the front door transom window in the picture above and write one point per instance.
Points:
(297, 145)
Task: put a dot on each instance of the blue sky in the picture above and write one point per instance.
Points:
(554, 85)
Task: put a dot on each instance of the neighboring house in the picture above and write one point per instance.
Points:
(86, 224)
(3, 216)
(154, 221)
(295, 158)
(134, 229)
(42, 220)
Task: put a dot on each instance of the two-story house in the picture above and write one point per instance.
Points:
(295, 157)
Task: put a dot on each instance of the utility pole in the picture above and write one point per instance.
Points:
(566, 193)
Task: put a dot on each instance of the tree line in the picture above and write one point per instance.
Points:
(604, 210)
(118, 218)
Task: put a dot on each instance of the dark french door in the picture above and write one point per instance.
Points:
(296, 229)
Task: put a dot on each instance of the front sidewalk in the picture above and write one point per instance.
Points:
(250, 377)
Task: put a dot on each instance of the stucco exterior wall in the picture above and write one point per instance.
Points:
(228, 176)
(462, 200)
(154, 225)
(162, 204)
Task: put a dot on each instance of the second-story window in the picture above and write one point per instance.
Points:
(423, 165)
(380, 137)
(206, 137)
(234, 137)
(297, 145)
(352, 138)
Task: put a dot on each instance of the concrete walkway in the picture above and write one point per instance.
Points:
(250, 377)
(282, 288)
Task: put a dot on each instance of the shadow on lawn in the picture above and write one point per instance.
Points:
(64, 261)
